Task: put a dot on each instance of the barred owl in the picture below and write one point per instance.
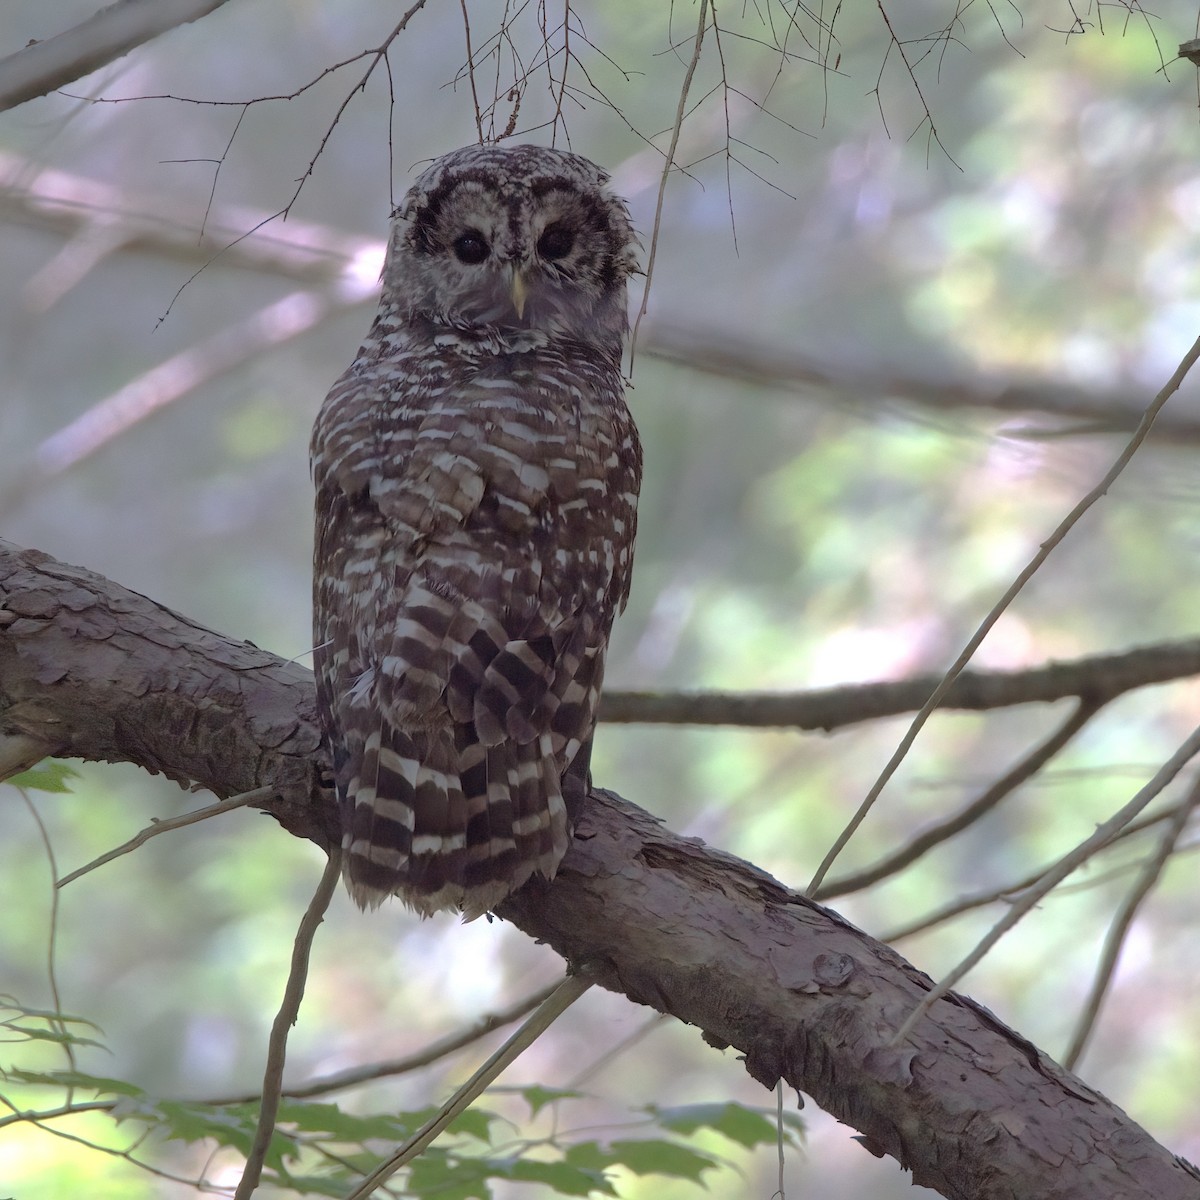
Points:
(477, 475)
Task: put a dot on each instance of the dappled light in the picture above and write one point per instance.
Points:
(913, 626)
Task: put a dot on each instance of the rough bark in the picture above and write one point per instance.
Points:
(92, 670)
(975, 1111)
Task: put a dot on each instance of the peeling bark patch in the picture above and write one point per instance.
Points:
(92, 622)
(50, 673)
(77, 599)
(891, 1066)
(31, 604)
(832, 970)
(661, 858)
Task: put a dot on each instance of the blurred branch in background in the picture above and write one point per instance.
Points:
(43, 66)
(152, 391)
(1010, 890)
(1095, 679)
(1084, 409)
(1122, 922)
(98, 220)
(77, 207)
(340, 271)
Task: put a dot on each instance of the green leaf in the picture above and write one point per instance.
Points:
(312, 1185)
(650, 1156)
(564, 1178)
(48, 776)
(52, 1035)
(746, 1126)
(538, 1097)
(74, 1079)
(475, 1122)
(309, 1117)
(449, 1178)
(44, 1014)
(328, 1119)
(590, 1156)
(232, 1126)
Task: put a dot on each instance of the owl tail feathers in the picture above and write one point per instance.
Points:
(448, 824)
(378, 803)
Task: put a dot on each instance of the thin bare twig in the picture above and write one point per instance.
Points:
(676, 129)
(912, 74)
(285, 1018)
(1122, 922)
(1009, 891)
(390, 1068)
(779, 1139)
(549, 1011)
(31, 1117)
(942, 831)
(1044, 552)
(1053, 877)
(471, 72)
(52, 940)
(35, 1119)
(566, 65)
(180, 822)
(376, 55)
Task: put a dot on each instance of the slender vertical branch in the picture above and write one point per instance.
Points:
(1122, 922)
(547, 1013)
(1044, 551)
(471, 73)
(936, 834)
(676, 129)
(289, 1010)
(1053, 877)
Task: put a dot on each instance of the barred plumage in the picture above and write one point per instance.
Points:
(477, 474)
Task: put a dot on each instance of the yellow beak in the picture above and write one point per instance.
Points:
(520, 293)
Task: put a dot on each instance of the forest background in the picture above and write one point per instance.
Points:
(921, 274)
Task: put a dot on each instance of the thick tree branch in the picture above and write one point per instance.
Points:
(973, 1109)
(43, 66)
(95, 671)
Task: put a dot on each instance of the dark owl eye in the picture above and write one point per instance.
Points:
(556, 242)
(471, 247)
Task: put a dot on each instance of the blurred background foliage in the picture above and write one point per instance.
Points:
(1019, 212)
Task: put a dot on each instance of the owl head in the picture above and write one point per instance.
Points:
(513, 238)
